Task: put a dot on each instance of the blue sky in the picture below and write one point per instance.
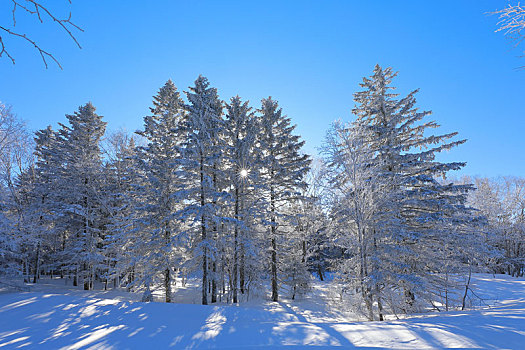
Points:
(309, 55)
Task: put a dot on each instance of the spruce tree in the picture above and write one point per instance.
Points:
(160, 165)
(240, 161)
(283, 169)
(388, 174)
(80, 186)
(202, 155)
(47, 203)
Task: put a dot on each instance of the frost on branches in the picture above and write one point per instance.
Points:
(398, 227)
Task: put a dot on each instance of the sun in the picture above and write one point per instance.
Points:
(243, 173)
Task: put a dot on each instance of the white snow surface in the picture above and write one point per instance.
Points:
(53, 316)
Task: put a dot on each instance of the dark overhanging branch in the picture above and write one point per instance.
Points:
(35, 8)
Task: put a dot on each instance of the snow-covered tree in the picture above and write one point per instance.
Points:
(357, 194)
(201, 164)
(512, 22)
(15, 147)
(240, 160)
(80, 191)
(160, 166)
(121, 175)
(399, 214)
(501, 202)
(15, 157)
(306, 245)
(283, 170)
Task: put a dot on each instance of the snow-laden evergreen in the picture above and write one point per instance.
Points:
(161, 244)
(395, 221)
(283, 171)
(241, 169)
(201, 163)
(80, 184)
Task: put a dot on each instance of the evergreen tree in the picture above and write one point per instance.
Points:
(80, 190)
(241, 172)
(398, 207)
(283, 169)
(202, 156)
(160, 166)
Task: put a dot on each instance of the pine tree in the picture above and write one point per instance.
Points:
(79, 182)
(160, 165)
(202, 155)
(241, 172)
(283, 169)
(51, 197)
(399, 209)
(43, 208)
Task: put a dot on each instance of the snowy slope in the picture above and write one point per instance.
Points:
(55, 317)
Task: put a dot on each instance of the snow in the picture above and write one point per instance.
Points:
(54, 316)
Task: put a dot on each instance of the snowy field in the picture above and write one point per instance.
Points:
(53, 316)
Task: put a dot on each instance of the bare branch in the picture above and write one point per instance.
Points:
(42, 52)
(511, 20)
(62, 22)
(34, 7)
(4, 51)
(14, 17)
(512, 23)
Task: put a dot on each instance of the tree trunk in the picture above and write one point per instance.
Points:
(223, 278)
(203, 237)
(380, 307)
(242, 270)
(410, 299)
(86, 233)
(379, 303)
(235, 246)
(446, 290)
(320, 272)
(147, 297)
(131, 278)
(215, 237)
(275, 295)
(368, 302)
(75, 278)
(26, 271)
(467, 286)
(167, 276)
(167, 284)
(214, 283)
(86, 278)
(37, 262)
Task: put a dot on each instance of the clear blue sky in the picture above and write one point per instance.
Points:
(309, 55)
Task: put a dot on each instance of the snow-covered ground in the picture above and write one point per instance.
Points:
(53, 316)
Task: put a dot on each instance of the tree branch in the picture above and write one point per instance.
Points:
(42, 52)
(34, 7)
